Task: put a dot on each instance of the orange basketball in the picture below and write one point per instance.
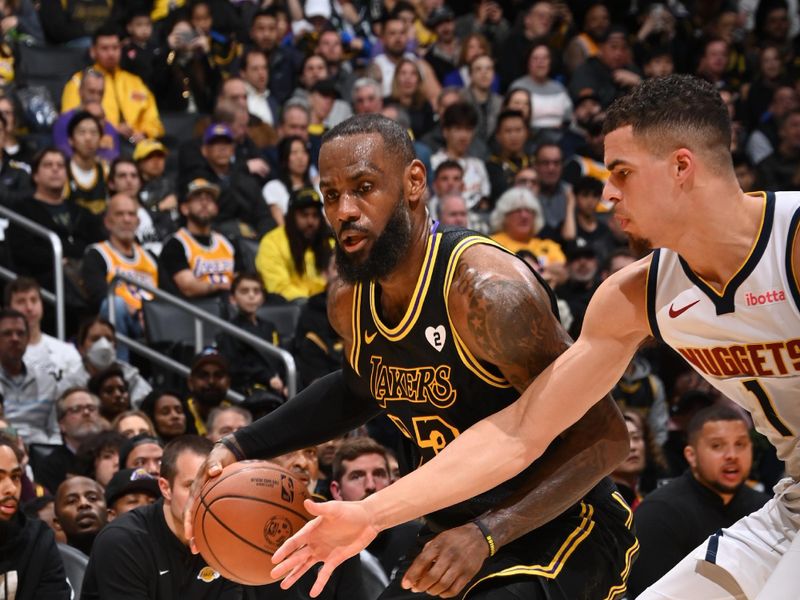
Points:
(242, 516)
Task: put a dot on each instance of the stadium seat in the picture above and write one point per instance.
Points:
(178, 127)
(49, 67)
(166, 324)
(75, 563)
(285, 318)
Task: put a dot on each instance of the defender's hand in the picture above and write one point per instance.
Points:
(341, 530)
(448, 562)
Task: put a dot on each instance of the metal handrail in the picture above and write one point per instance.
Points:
(58, 262)
(201, 316)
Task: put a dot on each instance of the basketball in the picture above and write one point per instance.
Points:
(242, 516)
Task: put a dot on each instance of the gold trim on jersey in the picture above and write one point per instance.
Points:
(406, 324)
(472, 363)
(398, 422)
(355, 323)
(621, 501)
(551, 570)
(619, 590)
(749, 254)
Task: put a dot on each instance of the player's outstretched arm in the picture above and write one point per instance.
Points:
(498, 447)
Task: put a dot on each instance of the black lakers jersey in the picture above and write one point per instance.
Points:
(94, 196)
(421, 373)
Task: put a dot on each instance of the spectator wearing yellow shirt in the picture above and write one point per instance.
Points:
(516, 220)
(128, 103)
(292, 258)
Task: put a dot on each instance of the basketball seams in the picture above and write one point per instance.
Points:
(261, 500)
(260, 465)
(217, 559)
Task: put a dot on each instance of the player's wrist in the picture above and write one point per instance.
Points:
(487, 536)
(230, 443)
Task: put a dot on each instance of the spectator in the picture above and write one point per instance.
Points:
(710, 496)
(28, 396)
(318, 348)
(479, 92)
(458, 126)
(510, 135)
(294, 173)
(527, 178)
(583, 269)
(486, 19)
(291, 258)
(516, 221)
(76, 227)
(81, 512)
(394, 38)
(553, 190)
(584, 44)
(770, 75)
(97, 343)
(208, 382)
(90, 97)
(642, 391)
(313, 71)
(444, 53)
(584, 117)
(78, 420)
(73, 23)
(162, 568)
(255, 72)
(142, 451)
(132, 423)
(239, 211)
(98, 455)
(86, 173)
(609, 74)
(127, 102)
(434, 139)
(43, 352)
(626, 475)
(139, 49)
(366, 96)
(166, 411)
(41, 507)
(407, 90)
(120, 255)
(30, 565)
(16, 148)
(713, 62)
(472, 46)
(453, 211)
(110, 387)
(448, 178)
(15, 181)
(186, 77)
(250, 368)
(781, 169)
(223, 420)
(340, 72)
(322, 98)
(158, 189)
(745, 172)
(551, 106)
(196, 261)
(129, 489)
(582, 227)
(537, 24)
(765, 138)
(283, 60)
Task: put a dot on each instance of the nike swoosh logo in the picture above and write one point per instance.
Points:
(676, 313)
(163, 572)
(368, 338)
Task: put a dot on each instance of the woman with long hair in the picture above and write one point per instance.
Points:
(294, 161)
(407, 91)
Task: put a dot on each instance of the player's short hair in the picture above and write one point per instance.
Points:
(183, 443)
(352, 448)
(717, 412)
(396, 141)
(677, 111)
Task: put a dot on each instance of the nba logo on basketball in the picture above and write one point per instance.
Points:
(287, 488)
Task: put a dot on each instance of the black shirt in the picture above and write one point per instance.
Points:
(674, 519)
(137, 556)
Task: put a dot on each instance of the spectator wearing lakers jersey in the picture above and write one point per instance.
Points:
(197, 261)
(120, 254)
(127, 102)
(87, 173)
(75, 226)
(291, 258)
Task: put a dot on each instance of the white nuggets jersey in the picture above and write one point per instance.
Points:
(746, 340)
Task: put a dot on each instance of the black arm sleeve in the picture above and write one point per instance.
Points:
(93, 270)
(329, 407)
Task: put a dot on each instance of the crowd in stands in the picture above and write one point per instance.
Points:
(182, 154)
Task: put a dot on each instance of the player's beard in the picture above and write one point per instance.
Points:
(387, 251)
(639, 246)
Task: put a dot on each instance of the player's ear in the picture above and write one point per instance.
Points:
(690, 456)
(336, 492)
(415, 181)
(112, 514)
(683, 163)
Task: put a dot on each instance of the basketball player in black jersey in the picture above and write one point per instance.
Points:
(441, 328)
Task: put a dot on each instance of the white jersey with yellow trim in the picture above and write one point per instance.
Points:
(744, 340)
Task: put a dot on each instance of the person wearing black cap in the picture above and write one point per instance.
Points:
(583, 268)
(241, 213)
(443, 54)
(321, 98)
(208, 382)
(142, 451)
(129, 489)
(196, 261)
(291, 258)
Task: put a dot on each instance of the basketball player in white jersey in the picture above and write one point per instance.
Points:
(722, 291)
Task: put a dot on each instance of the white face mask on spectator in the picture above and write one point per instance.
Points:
(102, 354)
